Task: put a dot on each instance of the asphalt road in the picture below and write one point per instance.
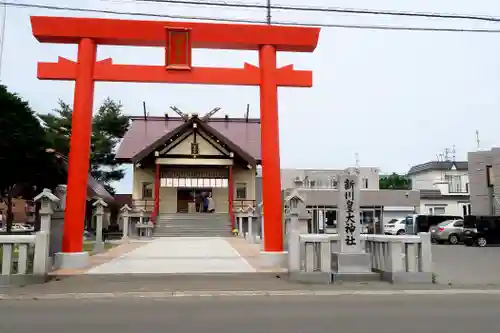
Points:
(285, 314)
(461, 265)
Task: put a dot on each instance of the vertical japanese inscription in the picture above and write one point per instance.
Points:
(178, 48)
(350, 222)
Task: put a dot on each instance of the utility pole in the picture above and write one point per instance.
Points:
(446, 154)
(357, 164)
(4, 19)
(269, 12)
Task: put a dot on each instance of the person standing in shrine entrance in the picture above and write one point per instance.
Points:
(211, 203)
(205, 202)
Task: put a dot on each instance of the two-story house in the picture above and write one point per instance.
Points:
(443, 186)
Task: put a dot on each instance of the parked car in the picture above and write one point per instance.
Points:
(450, 231)
(481, 230)
(395, 227)
(422, 223)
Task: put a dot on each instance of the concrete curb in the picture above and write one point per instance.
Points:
(176, 294)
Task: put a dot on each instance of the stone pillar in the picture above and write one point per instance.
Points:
(47, 202)
(156, 209)
(260, 218)
(351, 262)
(249, 214)
(297, 224)
(230, 189)
(99, 214)
(125, 215)
(57, 221)
(141, 215)
(239, 217)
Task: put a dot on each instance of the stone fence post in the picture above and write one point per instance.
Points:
(239, 218)
(249, 214)
(99, 214)
(125, 214)
(42, 263)
(260, 218)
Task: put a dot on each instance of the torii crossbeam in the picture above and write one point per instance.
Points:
(178, 38)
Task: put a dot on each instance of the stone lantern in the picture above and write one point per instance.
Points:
(47, 201)
(297, 219)
(99, 205)
(125, 214)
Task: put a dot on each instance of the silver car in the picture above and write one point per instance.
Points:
(450, 231)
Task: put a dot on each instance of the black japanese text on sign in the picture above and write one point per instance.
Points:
(350, 223)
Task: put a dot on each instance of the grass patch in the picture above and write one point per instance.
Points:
(88, 247)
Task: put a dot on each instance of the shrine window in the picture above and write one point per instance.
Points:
(147, 190)
(241, 191)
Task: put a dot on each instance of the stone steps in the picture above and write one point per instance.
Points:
(193, 225)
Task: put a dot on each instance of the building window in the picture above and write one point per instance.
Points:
(455, 184)
(467, 187)
(489, 176)
(147, 190)
(365, 182)
(241, 191)
(439, 210)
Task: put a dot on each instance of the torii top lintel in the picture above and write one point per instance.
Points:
(69, 30)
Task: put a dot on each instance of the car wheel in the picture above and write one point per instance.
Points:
(481, 242)
(400, 232)
(453, 239)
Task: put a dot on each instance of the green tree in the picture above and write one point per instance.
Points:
(109, 125)
(394, 181)
(25, 164)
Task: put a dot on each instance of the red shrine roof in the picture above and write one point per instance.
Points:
(244, 133)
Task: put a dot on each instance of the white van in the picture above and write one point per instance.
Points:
(395, 227)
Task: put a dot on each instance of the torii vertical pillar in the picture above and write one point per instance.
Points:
(271, 184)
(72, 255)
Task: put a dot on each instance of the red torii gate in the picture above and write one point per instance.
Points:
(179, 38)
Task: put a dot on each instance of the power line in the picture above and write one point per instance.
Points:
(330, 9)
(220, 19)
(268, 8)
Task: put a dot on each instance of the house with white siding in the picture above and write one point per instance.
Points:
(443, 186)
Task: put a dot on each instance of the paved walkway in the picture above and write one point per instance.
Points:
(178, 255)
(462, 265)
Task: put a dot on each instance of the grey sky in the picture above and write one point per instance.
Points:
(397, 98)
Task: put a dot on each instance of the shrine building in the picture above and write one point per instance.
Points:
(179, 161)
